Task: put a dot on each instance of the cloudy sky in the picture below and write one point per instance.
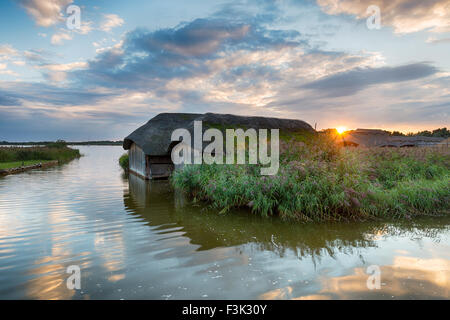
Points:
(312, 60)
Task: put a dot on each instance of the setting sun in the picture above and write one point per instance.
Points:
(341, 130)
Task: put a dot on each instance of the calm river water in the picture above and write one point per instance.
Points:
(139, 240)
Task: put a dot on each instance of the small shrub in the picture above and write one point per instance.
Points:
(124, 162)
(59, 144)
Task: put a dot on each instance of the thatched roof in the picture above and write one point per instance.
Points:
(366, 137)
(445, 142)
(155, 136)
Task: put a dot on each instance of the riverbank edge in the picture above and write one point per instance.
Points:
(359, 200)
(210, 205)
(47, 164)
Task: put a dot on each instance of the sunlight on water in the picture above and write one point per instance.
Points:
(139, 240)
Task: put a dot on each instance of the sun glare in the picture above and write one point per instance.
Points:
(341, 130)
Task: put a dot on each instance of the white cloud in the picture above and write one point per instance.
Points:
(35, 55)
(43, 35)
(117, 48)
(19, 63)
(9, 72)
(405, 16)
(65, 66)
(45, 12)
(58, 38)
(56, 77)
(7, 51)
(111, 21)
(63, 34)
(57, 73)
(435, 40)
(85, 28)
(4, 70)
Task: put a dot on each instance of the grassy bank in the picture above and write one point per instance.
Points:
(318, 181)
(16, 164)
(11, 157)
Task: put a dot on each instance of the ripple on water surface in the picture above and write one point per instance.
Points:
(139, 240)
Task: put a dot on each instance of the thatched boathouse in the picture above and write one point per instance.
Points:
(150, 146)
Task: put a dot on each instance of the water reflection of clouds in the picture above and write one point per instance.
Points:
(49, 272)
(283, 261)
(149, 242)
(406, 278)
(59, 213)
(111, 251)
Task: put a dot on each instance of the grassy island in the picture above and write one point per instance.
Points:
(318, 181)
(13, 157)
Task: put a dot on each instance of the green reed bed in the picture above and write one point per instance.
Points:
(24, 155)
(318, 181)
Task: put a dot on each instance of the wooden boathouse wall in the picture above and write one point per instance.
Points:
(137, 161)
(149, 167)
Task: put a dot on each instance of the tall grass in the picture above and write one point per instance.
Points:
(58, 152)
(319, 180)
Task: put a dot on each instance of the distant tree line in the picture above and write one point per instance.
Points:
(441, 132)
(63, 143)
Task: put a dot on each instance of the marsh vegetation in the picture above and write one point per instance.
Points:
(11, 157)
(318, 180)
